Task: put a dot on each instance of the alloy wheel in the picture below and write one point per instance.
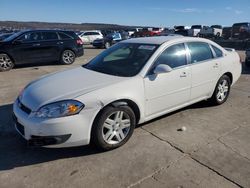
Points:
(68, 57)
(223, 88)
(5, 62)
(116, 127)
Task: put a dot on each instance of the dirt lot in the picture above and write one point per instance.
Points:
(212, 152)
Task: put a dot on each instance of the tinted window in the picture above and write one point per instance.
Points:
(50, 36)
(199, 51)
(217, 51)
(95, 33)
(87, 33)
(64, 36)
(173, 56)
(30, 37)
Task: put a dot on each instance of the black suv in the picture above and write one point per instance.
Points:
(33, 46)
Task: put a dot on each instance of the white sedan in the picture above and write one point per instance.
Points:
(130, 83)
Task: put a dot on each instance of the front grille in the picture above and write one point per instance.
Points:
(23, 107)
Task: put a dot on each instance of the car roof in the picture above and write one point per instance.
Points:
(152, 40)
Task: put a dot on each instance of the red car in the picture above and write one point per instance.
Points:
(149, 32)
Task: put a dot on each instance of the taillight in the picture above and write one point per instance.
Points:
(79, 41)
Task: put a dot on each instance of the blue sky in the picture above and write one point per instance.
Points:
(128, 12)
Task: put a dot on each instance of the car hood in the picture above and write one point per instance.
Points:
(64, 85)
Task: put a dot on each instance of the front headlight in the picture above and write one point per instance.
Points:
(59, 109)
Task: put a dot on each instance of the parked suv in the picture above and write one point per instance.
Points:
(89, 36)
(241, 30)
(33, 46)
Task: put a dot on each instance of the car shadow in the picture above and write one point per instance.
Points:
(36, 65)
(15, 152)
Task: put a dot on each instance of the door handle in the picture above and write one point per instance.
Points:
(216, 65)
(37, 44)
(60, 42)
(184, 74)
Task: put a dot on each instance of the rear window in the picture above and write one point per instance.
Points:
(199, 51)
(196, 27)
(50, 36)
(240, 24)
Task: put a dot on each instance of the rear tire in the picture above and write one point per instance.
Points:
(247, 63)
(113, 127)
(221, 91)
(67, 57)
(6, 62)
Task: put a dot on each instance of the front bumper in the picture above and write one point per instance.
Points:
(55, 132)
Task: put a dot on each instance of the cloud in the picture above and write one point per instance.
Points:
(238, 11)
(228, 8)
(186, 10)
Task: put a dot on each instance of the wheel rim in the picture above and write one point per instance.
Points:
(107, 45)
(223, 89)
(116, 127)
(5, 62)
(68, 57)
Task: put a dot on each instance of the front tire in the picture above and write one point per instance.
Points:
(113, 127)
(5, 62)
(221, 91)
(67, 57)
(107, 45)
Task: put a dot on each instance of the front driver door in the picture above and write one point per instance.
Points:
(170, 90)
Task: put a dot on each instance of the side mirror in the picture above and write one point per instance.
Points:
(162, 68)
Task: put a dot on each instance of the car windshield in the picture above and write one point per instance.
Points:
(122, 59)
(13, 36)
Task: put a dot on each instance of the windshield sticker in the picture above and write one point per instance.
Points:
(146, 47)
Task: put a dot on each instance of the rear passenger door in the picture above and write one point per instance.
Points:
(205, 70)
(50, 46)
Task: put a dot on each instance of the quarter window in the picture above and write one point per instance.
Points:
(199, 51)
(217, 51)
(64, 36)
(174, 56)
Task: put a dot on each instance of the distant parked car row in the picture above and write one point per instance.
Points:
(33, 46)
(247, 61)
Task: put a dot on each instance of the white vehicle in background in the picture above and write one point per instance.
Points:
(213, 31)
(194, 31)
(130, 83)
(88, 37)
(131, 32)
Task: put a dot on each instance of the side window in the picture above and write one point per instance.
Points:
(50, 36)
(199, 51)
(217, 51)
(174, 56)
(95, 33)
(64, 36)
(30, 37)
(87, 33)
